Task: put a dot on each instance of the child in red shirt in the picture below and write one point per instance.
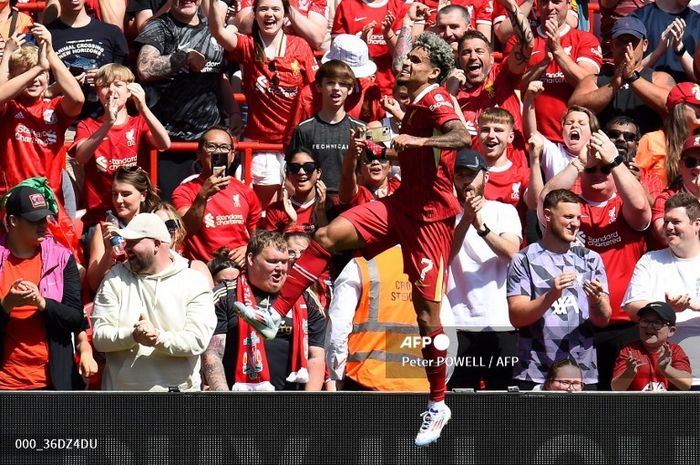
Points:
(116, 139)
(653, 363)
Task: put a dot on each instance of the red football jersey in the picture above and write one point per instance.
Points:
(427, 173)
(649, 376)
(508, 186)
(229, 218)
(31, 142)
(550, 105)
(119, 148)
(352, 15)
(604, 230)
(272, 87)
(497, 90)
(480, 11)
(276, 219)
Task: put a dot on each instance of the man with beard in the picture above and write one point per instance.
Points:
(487, 236)
(672, 275)
(153, 314)
(615, 213)
(626, 87)
(480, 83)
(419, 215)
(238, 357)
(557, 294)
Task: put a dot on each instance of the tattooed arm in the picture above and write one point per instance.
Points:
(152, 66)
(519, 56)
(212, 363)
(454, 136)
(410, 28)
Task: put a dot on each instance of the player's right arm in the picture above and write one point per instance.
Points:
(454, 136)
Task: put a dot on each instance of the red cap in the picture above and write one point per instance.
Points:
(691, 143)
(685, 92)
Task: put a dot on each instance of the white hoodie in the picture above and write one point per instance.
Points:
(179, 303)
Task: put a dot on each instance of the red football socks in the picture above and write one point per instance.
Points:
(436, 373)
(306, 271)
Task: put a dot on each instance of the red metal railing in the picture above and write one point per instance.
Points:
(31, 6)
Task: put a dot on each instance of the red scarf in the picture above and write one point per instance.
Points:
(252, 370)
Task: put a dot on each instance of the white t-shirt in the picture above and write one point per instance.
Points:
(555, 157)
(659, 272)
(476, 286)
(695, 5)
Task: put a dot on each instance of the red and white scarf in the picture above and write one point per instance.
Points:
(252, 370)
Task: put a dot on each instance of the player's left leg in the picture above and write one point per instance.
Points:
(426, 250)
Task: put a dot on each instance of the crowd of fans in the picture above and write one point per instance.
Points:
(575, 262)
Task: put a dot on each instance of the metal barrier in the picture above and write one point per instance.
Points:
(248, 148)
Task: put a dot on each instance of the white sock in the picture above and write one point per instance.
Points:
(436, 404)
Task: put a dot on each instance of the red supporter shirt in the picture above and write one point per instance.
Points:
(550, 105)
(119, 148)
(508, 186)
(272, 87)
(604, 230)
(498, 90)
(649, 377)
(276, 219)
(31, 142)
(657, 210)
(352, 15)
(427, 173)
(25, 347)
(229, 217)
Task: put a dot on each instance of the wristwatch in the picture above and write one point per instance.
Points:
(633, 77)
(485, 232)
(616, 162)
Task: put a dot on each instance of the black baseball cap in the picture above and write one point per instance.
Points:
(28, 203)
(468, 158)
(662, 310)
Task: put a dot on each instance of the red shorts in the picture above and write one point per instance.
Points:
(425, 246)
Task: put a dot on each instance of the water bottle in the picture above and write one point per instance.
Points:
(117, 241)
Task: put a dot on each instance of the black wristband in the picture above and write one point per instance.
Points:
(633, 77)
(485, 232)
(681, 51)
(616, 162)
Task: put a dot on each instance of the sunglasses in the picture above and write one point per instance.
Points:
(368, 161)
(615, 134)
(605, 169)
(294, 168)
(691, 162)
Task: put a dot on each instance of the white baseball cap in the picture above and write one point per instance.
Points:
(146, 225)
(352, 51)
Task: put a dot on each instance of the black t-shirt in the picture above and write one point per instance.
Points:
(277, 350)
(329, 142)
(186, 103)
(626, 102)
(89, 47)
